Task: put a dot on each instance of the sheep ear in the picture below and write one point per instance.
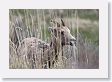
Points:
(63, 24)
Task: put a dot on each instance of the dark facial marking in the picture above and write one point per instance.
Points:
(71, 43)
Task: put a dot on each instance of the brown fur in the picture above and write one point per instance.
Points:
(44, 55)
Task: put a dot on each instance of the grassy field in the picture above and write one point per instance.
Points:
(83, 24)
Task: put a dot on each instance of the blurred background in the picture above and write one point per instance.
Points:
(83, 24)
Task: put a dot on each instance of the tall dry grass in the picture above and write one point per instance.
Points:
(33, 23)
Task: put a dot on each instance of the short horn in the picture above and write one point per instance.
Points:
(63, 24)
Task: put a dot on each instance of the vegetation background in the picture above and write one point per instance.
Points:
(83, 23)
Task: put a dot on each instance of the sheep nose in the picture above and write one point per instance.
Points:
(73, 41)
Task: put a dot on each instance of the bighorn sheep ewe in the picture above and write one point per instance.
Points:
(47, 55)
(62, 41)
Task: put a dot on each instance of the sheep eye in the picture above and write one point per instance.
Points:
(51, 21)
(62, 32)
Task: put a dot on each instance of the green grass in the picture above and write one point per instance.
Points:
(90, 34)
(89, 14)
